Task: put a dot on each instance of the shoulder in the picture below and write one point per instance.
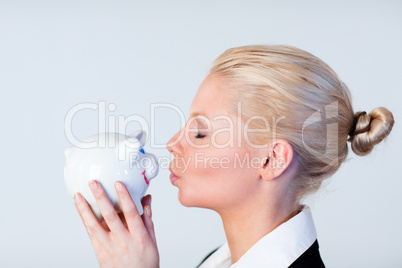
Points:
(311, 258)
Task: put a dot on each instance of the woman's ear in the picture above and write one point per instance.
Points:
(280, 155)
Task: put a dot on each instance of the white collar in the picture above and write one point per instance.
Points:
(279, 248)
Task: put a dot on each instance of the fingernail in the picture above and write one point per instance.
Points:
(148, 211)
(119, 186)
(77, 198)
(93, 185)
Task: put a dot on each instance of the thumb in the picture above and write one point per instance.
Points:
(147, 218)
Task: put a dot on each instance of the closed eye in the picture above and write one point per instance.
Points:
(199, 136)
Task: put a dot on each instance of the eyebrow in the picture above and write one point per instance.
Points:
(198, 113)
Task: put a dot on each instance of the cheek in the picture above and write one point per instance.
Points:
(227, 170)
(215, 187)
(217, 179)
(223, 158)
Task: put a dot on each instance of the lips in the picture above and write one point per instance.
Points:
(173, 177)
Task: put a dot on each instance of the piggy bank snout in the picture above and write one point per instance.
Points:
(150, 164)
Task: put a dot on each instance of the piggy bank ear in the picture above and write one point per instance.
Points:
(68, 151)
(140, 135)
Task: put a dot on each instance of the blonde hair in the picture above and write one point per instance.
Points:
(276, 81)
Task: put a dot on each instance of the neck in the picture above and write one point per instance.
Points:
(244, 226)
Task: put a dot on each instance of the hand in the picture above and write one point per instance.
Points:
(125, 240)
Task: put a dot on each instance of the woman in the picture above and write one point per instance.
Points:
(266, 126)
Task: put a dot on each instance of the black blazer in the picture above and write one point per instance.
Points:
(309, 259)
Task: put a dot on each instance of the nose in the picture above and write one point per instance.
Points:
(174, 145)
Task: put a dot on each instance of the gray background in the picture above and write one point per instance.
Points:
(56, 54)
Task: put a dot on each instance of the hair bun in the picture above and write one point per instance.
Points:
(370, 129)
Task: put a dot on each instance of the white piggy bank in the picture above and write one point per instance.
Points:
(107, 158)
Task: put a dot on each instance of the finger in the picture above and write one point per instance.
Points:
(146, 200)
(147, 217)
(123, 220)
(108, 212)
(130, 211)
(104, 225)
(93, 227)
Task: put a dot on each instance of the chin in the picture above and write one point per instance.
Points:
(191, 200)
(185, 200)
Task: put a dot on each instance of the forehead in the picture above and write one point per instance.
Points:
(210, 100)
